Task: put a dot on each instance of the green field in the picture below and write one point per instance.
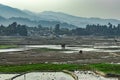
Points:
(7, 46)
(106, 68)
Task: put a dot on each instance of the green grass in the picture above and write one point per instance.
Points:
(7, 46)
(47, 50)
(106, 68)
(41, 67)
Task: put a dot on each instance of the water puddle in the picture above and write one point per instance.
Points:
(81, 75)
(73, 49)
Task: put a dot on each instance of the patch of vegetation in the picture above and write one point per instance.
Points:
(37, 67)
(7, 46)
(106, 68)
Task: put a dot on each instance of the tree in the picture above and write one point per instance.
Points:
(2, 30)
(39, 27)
(57, 29)
(22, 30)
(11, 29)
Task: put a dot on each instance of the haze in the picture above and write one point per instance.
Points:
(82, 8)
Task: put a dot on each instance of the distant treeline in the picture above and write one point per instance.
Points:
(98, 30)
(15, 29)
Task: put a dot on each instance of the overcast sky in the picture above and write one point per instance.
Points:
(82, 8)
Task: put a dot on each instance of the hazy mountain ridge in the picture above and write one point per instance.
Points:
(32, 23)
(2, 18)
(78, 21)
(9, 14)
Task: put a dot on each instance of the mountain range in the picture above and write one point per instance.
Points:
(47, 18)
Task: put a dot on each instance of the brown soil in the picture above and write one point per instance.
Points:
(32, 56)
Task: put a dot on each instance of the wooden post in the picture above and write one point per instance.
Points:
(24, 77)
(63, 46)
(80, 51)
(119, 78)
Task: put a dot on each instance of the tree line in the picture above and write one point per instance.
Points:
(104, 29)
(13, 29)
(97, 30)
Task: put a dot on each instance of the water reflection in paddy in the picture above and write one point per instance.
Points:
(74, 48)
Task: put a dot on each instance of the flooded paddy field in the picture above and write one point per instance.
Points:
(93, 51)
(54, 53)
(80, 75)
(7, 76)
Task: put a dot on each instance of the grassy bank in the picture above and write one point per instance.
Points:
(7, 46)
(106, 68)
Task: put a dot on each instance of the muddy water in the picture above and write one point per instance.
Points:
(73, 49)
(45, 76)
(82, 75)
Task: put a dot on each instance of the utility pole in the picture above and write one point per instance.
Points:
(24, 77)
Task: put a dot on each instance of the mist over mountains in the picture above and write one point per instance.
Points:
(47, 18)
